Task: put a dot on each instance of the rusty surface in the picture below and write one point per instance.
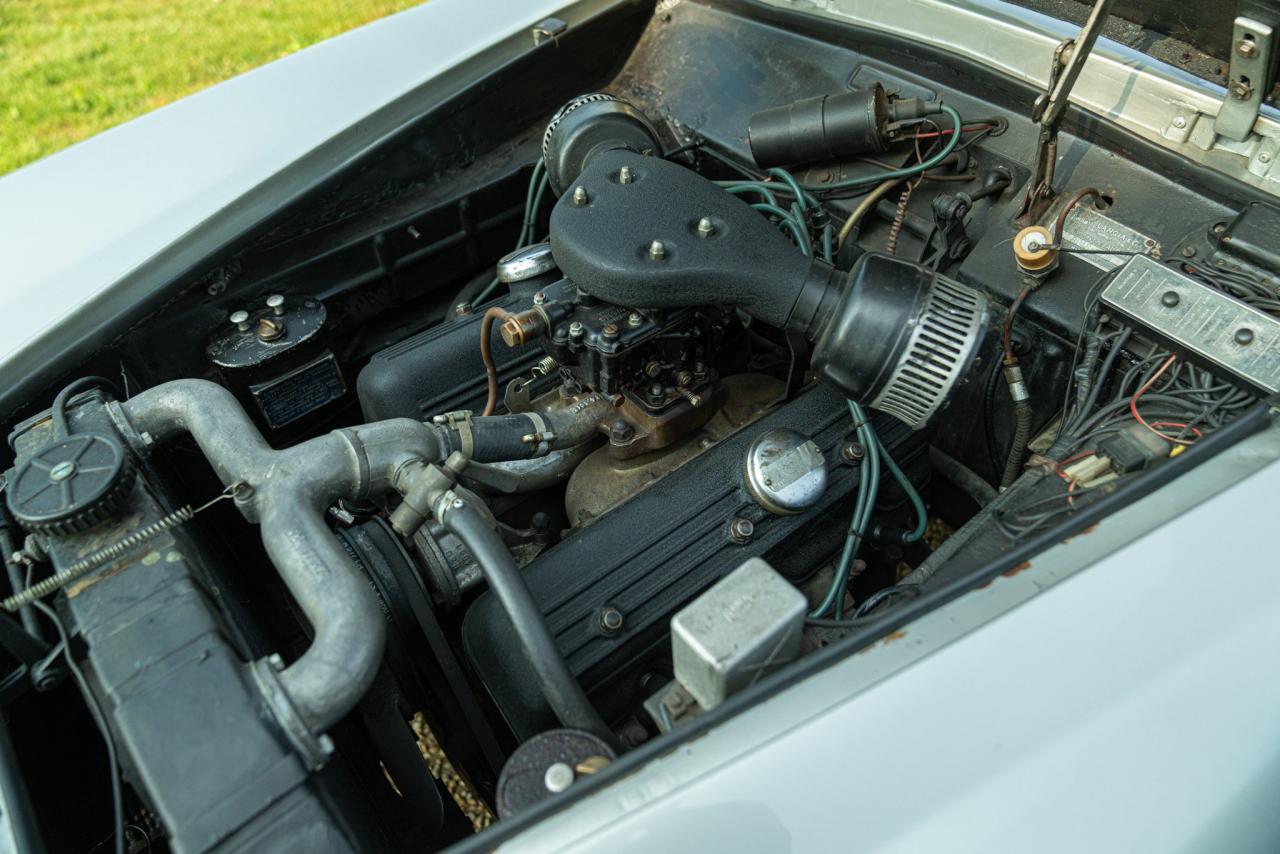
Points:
(603, 481)
(653, 431)
(1014, 570)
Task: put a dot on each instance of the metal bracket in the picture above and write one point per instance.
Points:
(1252, 54)
(1051, 106)
(548, 30)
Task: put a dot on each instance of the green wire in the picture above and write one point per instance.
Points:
(828, 242)
(535, 181)
(538, 184)
(790, 180)
(737, 188)
(922, 515)
(868, 488)
(786, 220)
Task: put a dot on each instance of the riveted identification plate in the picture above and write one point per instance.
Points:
(1089, 229)
(1188, 315)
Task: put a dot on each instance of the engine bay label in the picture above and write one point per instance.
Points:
(299, 392)
(1087, 228)
(1189, 315)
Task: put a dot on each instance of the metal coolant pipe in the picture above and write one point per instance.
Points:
(287, 493)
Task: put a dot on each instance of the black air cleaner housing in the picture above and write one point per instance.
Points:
(889, 333)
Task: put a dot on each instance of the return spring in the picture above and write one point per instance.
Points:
(108, 553)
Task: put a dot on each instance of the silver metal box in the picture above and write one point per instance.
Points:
(741, 629)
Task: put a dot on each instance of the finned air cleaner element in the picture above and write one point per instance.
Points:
(901, 339)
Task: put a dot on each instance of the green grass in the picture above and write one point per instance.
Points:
(72, 68)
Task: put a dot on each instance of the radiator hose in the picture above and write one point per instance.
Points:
(563, 693)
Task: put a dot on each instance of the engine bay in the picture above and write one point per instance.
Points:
(708, 341)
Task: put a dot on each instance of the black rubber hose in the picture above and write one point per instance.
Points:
(1018, 450)
(965, 478)
(563, 693)
(501, 438)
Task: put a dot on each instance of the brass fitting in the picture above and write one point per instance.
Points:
(522, 327)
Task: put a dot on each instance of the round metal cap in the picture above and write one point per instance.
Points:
(785, 472)
(545, 765)
(526, 263)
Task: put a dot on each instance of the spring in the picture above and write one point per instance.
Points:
(97, 559)
(544, 366)
(899, 218)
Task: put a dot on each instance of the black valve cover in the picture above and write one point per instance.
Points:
(660, 550)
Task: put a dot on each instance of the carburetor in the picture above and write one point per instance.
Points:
(660, 367)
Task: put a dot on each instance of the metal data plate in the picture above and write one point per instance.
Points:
(1087, 228)
(1225, 332)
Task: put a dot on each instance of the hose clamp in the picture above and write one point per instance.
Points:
(460, 422)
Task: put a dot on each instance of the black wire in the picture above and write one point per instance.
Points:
(95, 711)
(60, 428)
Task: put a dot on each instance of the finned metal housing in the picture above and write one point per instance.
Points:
(939, 350)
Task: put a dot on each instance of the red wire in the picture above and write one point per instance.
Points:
(1057, 469)
(1133, 408)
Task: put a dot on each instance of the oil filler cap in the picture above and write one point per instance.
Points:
(71, 485)
(785, 472)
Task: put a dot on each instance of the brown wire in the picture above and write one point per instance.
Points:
(491, 370)
(1076, 198)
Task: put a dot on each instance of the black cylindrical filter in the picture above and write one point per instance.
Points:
(828, 127)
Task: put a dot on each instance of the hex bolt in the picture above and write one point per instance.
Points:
(1244, 336)
(741, 530)
(657, 251)
(611, 620)
(539, 298)
(621, 432)
(706, 227)
(1264, 157)
(1246, 48)
(610, 330)
(634, 319)
(684, 378)
(462, 309)
(275, 302)
(576, 329)
(676, 702)
(241, 320)
(559, 776)
(1170, 299)
(1239, 90)
(275, 661)
(1179, 121)
(624, 175)
(580, 196)
(851, 452)
(657, 393)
